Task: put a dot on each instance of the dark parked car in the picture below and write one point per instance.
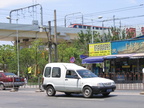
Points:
(9, 80)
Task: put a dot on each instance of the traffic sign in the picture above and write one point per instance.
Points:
(72, 60)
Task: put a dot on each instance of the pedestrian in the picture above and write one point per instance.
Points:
(25, 81)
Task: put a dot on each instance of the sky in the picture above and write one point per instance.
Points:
(129, 12)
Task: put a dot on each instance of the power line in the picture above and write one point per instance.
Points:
(117, 10)
(122, 18)
(61, 18)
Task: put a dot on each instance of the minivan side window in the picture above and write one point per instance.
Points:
(56, 72)
(70, 74)
(47, 72)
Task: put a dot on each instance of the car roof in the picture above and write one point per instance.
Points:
(66, 65)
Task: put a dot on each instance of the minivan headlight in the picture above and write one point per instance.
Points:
(100, 84)
(113, 83)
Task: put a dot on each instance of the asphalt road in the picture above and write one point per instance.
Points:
(28, 98)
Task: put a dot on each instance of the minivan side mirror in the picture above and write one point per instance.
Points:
(76, 77)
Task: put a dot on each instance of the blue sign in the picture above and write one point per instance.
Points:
(72, 60)
(127, 46)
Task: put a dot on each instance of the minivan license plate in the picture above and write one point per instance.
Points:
(109, 90)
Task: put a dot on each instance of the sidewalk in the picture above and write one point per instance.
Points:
(127, 92)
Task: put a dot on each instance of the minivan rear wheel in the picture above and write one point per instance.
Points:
(87, 92)
(50, 91)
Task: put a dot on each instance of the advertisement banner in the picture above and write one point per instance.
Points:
(100, 49)
(127, 46)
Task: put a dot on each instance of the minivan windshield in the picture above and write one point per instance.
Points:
(86, 73)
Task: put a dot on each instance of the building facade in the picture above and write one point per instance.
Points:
(121, 61)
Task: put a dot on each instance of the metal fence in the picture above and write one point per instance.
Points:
(128, 81)
(129, 86)
(128, 77)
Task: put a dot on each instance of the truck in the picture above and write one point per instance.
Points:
(10, 80)
(71, 78)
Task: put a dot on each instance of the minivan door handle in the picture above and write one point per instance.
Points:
(66, 79)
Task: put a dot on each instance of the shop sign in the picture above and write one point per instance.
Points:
(100, 49)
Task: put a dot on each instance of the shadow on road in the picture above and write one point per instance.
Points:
(99, 96)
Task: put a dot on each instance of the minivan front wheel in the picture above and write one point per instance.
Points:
(50, 91)
(87, 92)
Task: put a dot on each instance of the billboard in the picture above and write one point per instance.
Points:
(100, 49)
(127, 46)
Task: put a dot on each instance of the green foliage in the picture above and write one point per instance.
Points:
(85, 38)
(34, 80)
(37, 56)
(66, 51)
(7, 55)
(115, 34)
(34, 56)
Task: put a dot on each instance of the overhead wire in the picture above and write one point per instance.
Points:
(117, 10)
(48, 12)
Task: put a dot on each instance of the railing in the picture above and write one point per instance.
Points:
(129, 86)
(127, 81)
(128, 77)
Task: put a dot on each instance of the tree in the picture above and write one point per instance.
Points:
(85, 38)
(37, 55)
(66, 51)
(33, 57)
(117, 34)
(7, 56)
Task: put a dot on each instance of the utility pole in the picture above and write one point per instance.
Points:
(49, 42)
(55, 37)
(114, 20)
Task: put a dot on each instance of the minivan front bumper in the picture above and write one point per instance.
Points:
(44, 86)
(105, 89)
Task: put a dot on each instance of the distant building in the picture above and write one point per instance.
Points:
(142, 30)
(131, 32)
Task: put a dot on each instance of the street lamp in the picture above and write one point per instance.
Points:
(99, 17)
(8, 17)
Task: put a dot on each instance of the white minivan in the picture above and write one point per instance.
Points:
(71, 78)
